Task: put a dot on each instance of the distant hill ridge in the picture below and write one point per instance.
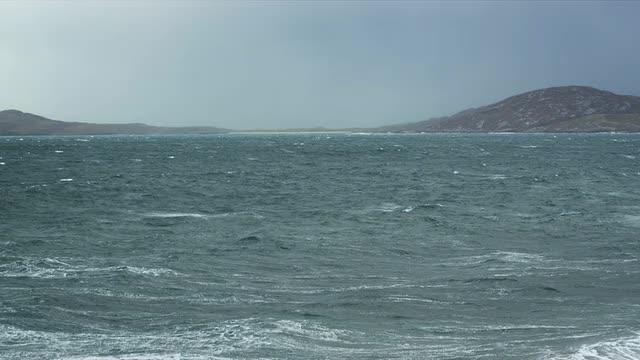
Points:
(556, 109)
(15, 122)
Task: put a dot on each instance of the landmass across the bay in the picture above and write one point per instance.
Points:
(557, 109)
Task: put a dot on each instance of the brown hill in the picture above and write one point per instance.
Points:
(557, 109)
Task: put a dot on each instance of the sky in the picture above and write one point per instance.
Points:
(295, 64)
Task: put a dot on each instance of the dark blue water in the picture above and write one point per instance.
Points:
(320, 247)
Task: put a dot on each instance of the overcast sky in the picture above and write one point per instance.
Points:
(268, 64)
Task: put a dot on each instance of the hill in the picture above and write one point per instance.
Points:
(557, 109)
(14, 122)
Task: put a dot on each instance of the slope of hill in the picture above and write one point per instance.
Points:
(14, 122)
(557, 109)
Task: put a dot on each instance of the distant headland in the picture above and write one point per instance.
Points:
(556, 109)
(15, 122)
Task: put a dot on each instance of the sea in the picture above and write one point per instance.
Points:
(320, 246)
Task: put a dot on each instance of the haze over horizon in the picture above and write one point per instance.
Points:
(247, 65)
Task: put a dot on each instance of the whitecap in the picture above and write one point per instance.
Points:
(239, 213)
(48, 268)
(311, 290)
(619, 349)
(135, 357)
(245, 299)
(58, 151)
(385, 207)
(66, 180)
(148, 271)
(175, 215)
(505, 256)
(498, 177)
(519, 327)
(2, 163)
(519, 257)
(61, 345)
(567, 213)
(406, 298)
(309, 330)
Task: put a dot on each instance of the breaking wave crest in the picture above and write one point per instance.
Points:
(620, 349)
(47, 268)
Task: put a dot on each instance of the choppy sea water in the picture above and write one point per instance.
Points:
(320, 247)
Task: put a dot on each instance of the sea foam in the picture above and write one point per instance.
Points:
(175, 215)
(619, 349)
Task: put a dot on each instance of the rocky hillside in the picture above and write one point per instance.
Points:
(557, 109)
(14, 122)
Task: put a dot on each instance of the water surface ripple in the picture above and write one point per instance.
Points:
(320, 246)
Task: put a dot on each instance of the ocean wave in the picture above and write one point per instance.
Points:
(175, 215)
(310, 330)
(244, 299)
(209, 343)
(119, 294)
(47, 268)
(498, 177)
(149, 356)
(384, 207)
(238, 213)
(619, 349)
(225, 339)
(502, 256)
(344, 289)
(389, 207)
(511, 263)
(495, 328)
(506, 260)
(519, 257)
(410, 299)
